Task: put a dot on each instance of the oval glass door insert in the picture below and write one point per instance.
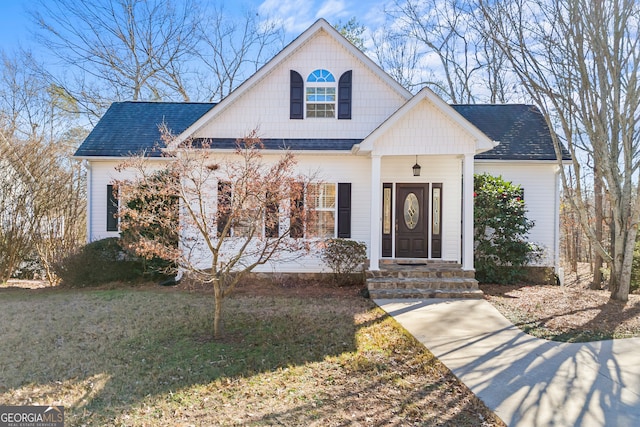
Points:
(411, 211)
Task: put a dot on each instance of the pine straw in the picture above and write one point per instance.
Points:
(571, 313)
(145, 357)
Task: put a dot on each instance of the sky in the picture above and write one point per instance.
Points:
(296, 15)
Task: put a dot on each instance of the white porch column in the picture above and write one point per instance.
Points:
(467, 212)
(376, 214)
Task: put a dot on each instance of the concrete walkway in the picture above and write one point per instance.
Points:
(527, 381)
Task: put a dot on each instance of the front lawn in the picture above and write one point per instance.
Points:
(146, 357)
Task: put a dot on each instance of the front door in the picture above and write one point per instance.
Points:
(412, 220)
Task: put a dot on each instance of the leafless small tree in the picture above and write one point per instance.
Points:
(236, 213)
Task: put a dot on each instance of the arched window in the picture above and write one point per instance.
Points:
(321, 94)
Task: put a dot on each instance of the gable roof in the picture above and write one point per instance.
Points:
(483, 140)
(321, 25)
(133, 127)
(521, 130)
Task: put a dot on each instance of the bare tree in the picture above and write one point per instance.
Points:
(399, 56)
(151, 50)
(236, 213)
(579, 61)
(443, 29)
(16, 220)
(120, 49)
(231, 49)
(42, 194)
(442, 44)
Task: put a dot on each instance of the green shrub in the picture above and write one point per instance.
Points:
(500, 230)
(97, 263)
(346, 258)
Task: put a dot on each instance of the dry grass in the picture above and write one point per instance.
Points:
(145, 357)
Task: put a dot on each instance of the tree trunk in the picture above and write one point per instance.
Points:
(624, 285)
(620, 281)
(217, 311)
(597, 260)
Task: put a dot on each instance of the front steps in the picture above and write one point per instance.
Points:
(419, 278)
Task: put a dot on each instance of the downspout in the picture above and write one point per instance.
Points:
(87, 166)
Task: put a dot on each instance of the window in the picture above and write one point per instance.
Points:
(112, 208)
(224, 207)
(322, 202)
(250, 219)
(328, 211)
(271, 217)
(321, 94)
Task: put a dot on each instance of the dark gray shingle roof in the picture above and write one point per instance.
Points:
(521, 130)
(132, 127)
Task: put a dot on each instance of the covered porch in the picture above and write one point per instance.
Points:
(422, 166)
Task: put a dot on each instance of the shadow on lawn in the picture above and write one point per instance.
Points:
(111, 359)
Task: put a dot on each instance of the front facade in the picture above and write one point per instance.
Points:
(364, 136)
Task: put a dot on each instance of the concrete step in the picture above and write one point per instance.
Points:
(422, 283)
(422, 272)
(424, 293)
(420, 278)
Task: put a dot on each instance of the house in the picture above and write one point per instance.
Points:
(338, 111)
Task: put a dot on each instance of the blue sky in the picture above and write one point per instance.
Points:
(296, 15)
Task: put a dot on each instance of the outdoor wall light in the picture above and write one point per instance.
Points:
(416, 168)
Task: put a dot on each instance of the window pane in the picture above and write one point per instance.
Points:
(311, 94)
(327, 196)
(324, 225)
(321, 75)
(321, 110)
(330, 93)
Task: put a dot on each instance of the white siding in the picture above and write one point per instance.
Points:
(424, 130)
(265, 106)
(540, 190)
(102, 174)
(330, 169)
(333, 169)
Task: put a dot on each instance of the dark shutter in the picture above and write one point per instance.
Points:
(297, 213)
(224, 206)
(296, 105)
(344, 96)
(344, 209)
(272, 219)
(112, 209)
